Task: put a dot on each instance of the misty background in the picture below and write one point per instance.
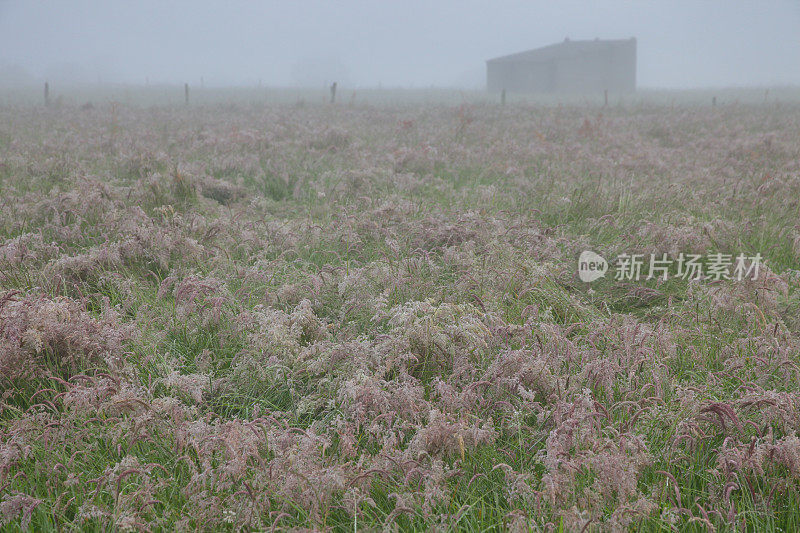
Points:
(365, 43)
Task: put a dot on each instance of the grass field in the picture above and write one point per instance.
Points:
(250, 316)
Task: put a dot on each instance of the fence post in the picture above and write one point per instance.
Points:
(46, 94)
(333, 92)
(605, 95)
(186, 93)
(503, 97)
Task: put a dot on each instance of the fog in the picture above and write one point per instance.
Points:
(365, 43)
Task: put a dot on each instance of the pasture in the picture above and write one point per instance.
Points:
(251, 315)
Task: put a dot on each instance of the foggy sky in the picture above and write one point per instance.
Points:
(407, 43)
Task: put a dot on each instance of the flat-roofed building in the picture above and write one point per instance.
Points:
(567, 67)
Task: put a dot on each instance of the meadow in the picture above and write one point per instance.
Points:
(368, 316)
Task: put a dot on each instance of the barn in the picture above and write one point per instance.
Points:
(568, 67)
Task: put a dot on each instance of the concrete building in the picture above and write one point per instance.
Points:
(567, 67)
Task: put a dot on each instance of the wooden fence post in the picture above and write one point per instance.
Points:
(333, 92)
(186, 93)
(46, 94)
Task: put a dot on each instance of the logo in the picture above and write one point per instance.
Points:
(693, 267)
(591, 266)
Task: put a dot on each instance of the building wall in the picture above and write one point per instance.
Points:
(623, 67)
(609, 66)
(520, 77)
(584, 73)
